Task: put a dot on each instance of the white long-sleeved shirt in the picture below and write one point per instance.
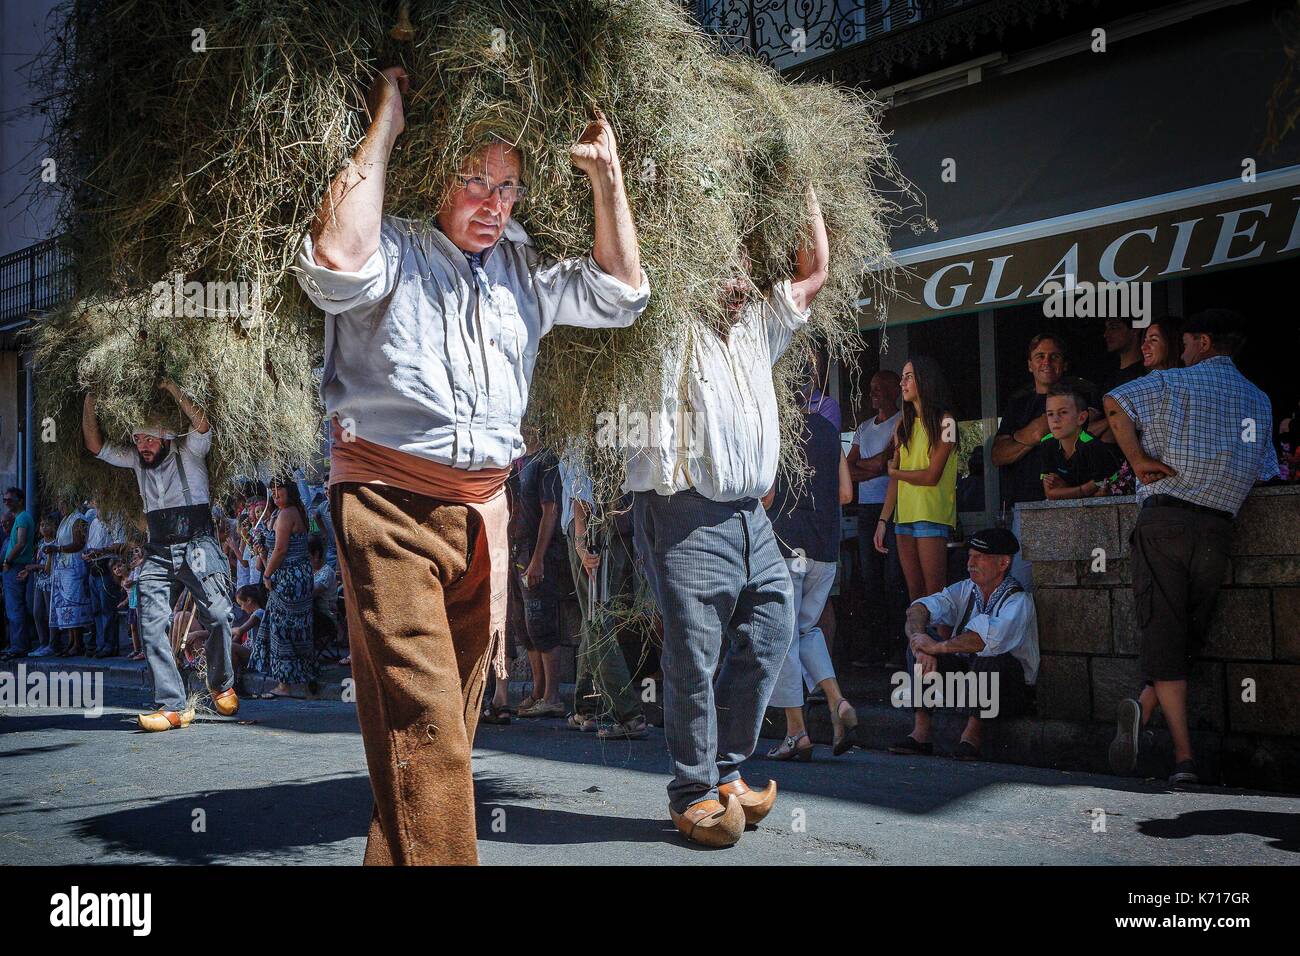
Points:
(717, 429)
(162, 487)
(1010, 626)
(425, 355)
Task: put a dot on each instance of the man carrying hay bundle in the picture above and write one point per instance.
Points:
(431, 336)
(703, 536)
(172, 475)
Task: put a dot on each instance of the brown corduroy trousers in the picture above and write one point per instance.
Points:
(416, 580)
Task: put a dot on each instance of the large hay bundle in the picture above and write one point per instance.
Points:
(209, 162)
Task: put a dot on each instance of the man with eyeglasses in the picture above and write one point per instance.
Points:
(20, 550)
(431, 334)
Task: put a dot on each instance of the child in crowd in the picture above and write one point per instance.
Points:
(251, 598)
(122, 575)
(1074, 464)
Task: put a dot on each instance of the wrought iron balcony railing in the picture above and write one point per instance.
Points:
(792, 33)
(34, 280)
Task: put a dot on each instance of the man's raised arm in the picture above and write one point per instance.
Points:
(615, 249)
(812, 261)
(345, 232)
(90, 432)
(197, 416)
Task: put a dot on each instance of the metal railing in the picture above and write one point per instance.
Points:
(34, 280)
(792, 33)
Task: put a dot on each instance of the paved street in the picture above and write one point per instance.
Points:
(288, 785)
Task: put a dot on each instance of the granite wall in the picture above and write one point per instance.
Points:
(1084, 597)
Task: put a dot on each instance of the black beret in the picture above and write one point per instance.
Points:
(994, 541)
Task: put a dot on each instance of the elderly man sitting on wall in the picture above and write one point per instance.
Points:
(995, 633)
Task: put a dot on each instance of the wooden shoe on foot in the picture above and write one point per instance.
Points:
(165, 719)
(709, 823)
(226, 702)
(756, 804)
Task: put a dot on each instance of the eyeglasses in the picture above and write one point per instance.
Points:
(476, 187)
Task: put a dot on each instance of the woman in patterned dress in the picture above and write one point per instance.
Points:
(70, 608)
(285, 648)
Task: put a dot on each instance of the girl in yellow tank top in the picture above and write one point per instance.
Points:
(922, 496)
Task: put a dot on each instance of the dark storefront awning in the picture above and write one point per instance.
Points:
(1148, 162)
(1175, 235)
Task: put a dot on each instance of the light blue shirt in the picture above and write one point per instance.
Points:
(1211, 424)
(432, 357)
(576, 484)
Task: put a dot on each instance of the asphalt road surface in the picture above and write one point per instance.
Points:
(287, 784)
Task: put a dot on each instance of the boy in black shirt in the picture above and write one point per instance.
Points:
(1073, 462)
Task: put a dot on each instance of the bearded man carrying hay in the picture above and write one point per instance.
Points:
(707, 546)
(182, 552)
(431, 337)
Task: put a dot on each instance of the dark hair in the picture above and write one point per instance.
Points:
(1225, 327)
(15, 490)
(1171, 328)
(290, 487)
(252, 592)
(1073, 392)
(1041, 337)
(932, 389)
(316, 545)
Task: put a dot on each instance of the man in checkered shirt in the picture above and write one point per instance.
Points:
(1205, 438)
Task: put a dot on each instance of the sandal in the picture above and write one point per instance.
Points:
(789, 749)
(967, 751)
(911, 747)
(542, 709)
(582, 722)
(494, 715)
(845, 726)
(634, 729)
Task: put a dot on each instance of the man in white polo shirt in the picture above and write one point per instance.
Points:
(707, 546)
(882, 575)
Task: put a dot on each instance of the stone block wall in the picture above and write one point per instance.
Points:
(1087, 635)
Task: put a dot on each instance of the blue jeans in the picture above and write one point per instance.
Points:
(104, 598)
(715, 571)
(16, 611)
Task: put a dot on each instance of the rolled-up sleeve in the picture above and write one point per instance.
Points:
(942, 605)
(578, 292)
(783, 318)
(335, 292)
(198, 443)
(117, 455)
(1007, 630)
(1140, 397)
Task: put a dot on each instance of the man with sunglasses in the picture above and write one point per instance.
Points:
(431, 334)
(172, 476)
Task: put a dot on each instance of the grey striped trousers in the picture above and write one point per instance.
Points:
(714, 569)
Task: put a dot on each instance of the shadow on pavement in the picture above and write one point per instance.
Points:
(45, 749)
(1281, 830)
(249, 823)
(918, 785)
(499, 820)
